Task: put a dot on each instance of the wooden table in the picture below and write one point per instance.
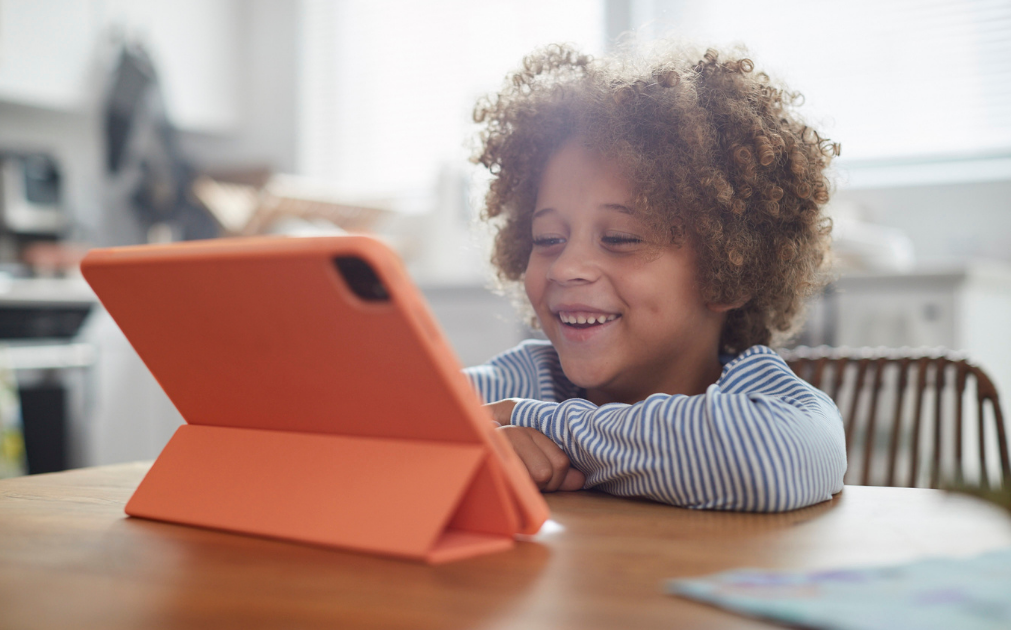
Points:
(70, 558)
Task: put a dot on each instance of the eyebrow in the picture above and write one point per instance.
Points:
(607, 206)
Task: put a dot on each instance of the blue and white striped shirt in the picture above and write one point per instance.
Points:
(759, 440)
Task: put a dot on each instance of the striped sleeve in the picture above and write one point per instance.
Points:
(760, 439)
(530, 370)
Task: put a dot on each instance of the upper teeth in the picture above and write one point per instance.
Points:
(586, 318)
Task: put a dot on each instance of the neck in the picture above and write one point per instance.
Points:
(688, 376)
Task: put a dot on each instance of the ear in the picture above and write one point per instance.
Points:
(723, 308)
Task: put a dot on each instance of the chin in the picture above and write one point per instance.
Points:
(585, 376)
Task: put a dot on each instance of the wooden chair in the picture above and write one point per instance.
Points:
(903, 415)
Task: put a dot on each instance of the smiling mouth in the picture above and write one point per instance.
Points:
(577, 319)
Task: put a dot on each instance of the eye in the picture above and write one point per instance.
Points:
(547, 241)
(622, 240)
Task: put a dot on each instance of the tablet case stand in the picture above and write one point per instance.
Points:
(413, 499)
(292, 431)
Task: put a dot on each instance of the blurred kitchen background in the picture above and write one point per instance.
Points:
(133, 121)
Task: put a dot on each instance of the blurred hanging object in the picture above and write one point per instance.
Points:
(143, 157)
(134, 76)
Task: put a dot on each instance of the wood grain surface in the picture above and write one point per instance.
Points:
(70, 558)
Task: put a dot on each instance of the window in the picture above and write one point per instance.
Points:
(911, 88)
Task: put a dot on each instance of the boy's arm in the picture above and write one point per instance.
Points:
(762, 440)
(512, 374)
(530, 370)
(548, 465)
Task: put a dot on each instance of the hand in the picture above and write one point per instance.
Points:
(547, 464)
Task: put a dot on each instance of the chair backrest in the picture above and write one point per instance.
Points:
(903, 415)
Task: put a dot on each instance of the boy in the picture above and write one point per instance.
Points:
(664, 218)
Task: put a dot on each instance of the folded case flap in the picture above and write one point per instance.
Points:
(388, 496)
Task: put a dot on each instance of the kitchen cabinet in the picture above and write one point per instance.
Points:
(56, 54)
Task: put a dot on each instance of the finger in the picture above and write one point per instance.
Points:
(501, 410)
(532, 456)
(574, 480)
(559, 461)
(490, 408)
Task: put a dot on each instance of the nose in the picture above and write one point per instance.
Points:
(575, 264)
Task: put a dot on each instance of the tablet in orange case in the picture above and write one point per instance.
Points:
(322, 402)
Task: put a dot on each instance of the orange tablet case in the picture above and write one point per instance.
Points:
(312, 414)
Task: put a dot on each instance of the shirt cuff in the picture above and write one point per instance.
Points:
(534, 414)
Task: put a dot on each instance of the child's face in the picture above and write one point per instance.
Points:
(651, 330)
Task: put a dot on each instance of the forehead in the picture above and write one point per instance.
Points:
(576, 176)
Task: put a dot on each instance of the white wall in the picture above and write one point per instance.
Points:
(49, 50)
(267, 86)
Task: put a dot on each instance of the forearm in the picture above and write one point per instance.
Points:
(715, 451)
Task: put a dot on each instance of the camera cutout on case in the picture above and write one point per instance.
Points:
(361, 279)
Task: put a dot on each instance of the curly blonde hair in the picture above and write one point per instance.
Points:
(713, 152)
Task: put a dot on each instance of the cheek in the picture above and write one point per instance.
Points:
(533, 283)
(644, 293)
(661, 292)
